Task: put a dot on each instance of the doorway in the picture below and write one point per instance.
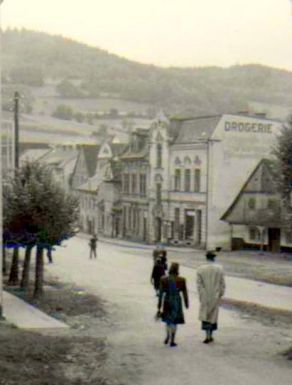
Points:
(189, 224)
(274, 240)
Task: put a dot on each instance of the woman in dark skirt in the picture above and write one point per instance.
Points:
(170, 300)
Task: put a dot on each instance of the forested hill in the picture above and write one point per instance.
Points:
(31, 58)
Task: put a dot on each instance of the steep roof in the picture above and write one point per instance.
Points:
(191, 130)
(260, 181)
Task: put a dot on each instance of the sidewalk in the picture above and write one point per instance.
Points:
(26, 316)
(136, 244)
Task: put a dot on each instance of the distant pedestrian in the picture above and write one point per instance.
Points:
(93, 246)
(158, 271)
(49, 254)
(170, 300)
(211, 287)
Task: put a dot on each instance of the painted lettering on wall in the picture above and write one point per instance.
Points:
(264, 128)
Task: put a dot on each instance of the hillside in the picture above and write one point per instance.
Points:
(32, 59)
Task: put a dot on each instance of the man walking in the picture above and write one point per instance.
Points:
(211, 287)
(92, 246)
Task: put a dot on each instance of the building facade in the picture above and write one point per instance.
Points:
(193, 169)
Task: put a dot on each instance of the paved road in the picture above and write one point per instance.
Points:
(245, 352)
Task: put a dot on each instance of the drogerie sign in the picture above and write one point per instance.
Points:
(265, 128)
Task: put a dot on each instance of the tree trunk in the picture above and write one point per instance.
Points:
(13, 277)
(26, 265)
(39, 272)
(4, 264)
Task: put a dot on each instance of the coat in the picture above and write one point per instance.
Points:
(157, 272)
(171, 288)
(211, 287)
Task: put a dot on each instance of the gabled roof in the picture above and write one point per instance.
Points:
(260, 181)
(191, 130)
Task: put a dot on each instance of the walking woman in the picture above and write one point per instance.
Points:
(170, 300)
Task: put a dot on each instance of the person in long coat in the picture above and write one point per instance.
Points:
(171, 289)
(158, 271)
(211, 287)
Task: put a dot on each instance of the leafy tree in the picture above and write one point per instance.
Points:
(79, 117)
(283, 174)
(37, 212)
(66, 89)
(63, 112)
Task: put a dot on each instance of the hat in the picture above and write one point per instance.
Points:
(210, 255)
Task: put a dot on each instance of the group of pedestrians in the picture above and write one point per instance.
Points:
(172, 289)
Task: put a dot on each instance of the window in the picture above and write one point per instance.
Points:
(158, 193)
(197, 180)
(254, 234)
(159, 155)
(126, 183)
(177, 176)
(134, 183)
(252, 203)
(129, 217)
(142, 184)
(176, 220)
(187, 180)
(288, 236)
(272, 204)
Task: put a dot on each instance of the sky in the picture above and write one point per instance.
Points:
(185, 33)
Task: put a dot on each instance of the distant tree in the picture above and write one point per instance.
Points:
(79, 117)
(113, 113)
(27, 75)
(67, 89)
(89, 118)
(63, 112)
(37, 212)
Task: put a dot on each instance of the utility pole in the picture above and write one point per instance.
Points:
(1, 224)
(16, 130)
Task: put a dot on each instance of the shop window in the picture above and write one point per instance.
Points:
(252, 203)
(176, 220)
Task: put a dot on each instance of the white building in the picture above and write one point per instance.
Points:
(194, 170)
